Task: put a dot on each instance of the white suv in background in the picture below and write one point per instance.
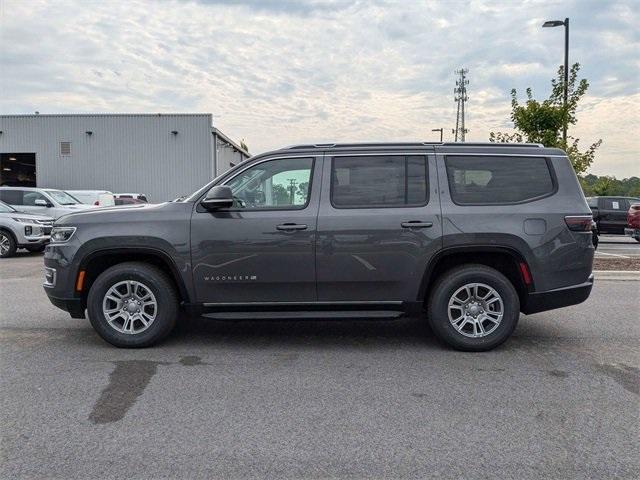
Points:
(41, 201)
(22, 230)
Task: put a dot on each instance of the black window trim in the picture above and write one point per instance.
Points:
(547, 159)
(271, 209)
(383, 154)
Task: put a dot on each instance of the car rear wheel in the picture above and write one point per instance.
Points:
(133, 305)
(7, 244)
(473, 308)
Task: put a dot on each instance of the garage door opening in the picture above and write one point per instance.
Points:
(18, 169)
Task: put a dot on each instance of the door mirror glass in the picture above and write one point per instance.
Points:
(218, 197)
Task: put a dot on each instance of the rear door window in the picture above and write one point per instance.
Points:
(12, 197)
(486, 180)
(371, 181)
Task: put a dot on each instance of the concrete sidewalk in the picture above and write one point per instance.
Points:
(619, 275)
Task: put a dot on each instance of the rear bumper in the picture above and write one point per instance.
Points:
(632, 232)
(558, 298)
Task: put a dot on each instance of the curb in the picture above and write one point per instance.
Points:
(620, 275)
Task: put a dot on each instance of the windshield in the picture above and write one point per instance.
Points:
(63, 198)
(4, 208)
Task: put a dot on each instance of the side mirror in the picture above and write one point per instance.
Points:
(218, 197)
(41, 203)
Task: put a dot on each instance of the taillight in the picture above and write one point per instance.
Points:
(578, 223)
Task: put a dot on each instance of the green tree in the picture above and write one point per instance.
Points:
(607, 185)
(543, 122)
(280, 194)
(302, 192)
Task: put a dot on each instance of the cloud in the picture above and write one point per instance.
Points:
(283, 72)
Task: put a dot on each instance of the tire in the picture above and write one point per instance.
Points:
(8, 245)
(127, 278)
(495, 328)
(36, 248)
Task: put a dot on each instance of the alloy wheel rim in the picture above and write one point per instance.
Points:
(4, 244)
(130, 307)
(475, 310)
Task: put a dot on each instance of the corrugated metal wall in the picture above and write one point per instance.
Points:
(124, 153)
(228, 156)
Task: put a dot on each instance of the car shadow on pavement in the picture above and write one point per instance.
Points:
(405, 331)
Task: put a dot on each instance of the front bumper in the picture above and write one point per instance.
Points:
(60, 278)
(558, 298)
(72, 305)
(632, 232)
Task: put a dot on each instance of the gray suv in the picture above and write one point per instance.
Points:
(468, 235)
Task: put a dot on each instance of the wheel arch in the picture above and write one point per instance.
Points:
(99, 260)
(507, 260)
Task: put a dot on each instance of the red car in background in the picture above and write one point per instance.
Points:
(633, 222)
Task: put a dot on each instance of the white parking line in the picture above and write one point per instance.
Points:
(612, 254)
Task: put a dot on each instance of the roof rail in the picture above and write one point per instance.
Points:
(491, 144)
(408, 144)
(360, 144)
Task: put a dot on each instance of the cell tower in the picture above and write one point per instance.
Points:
(460, 97)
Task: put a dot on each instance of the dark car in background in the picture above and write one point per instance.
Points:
(610, 213)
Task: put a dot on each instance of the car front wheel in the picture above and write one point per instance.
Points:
(133, 305)
(473, 308)
(7, 244)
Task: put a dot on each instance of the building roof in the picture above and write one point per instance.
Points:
(226, 139)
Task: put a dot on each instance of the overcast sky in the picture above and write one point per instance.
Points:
(283, 72)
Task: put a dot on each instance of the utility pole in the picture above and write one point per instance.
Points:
(293, 183)
(441, 130)
(460, 97)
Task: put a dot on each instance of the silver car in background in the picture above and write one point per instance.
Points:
(41, 201)
(22, 230)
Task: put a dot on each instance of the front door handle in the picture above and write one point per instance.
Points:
(287, 227)
(416, 224)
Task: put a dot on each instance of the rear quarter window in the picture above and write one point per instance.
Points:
(486, 180)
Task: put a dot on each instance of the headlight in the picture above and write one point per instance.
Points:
(25, 220)
(62, 234)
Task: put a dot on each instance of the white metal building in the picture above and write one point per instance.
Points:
(161, 155)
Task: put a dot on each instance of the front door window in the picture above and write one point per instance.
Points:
(282, 184)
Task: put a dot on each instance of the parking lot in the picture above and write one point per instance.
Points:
(318, 399)
(618, 246)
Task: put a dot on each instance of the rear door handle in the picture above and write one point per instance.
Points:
(416, 224)
(291, 226)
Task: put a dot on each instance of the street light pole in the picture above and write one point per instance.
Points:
(557, 23)
(438, 130)
(566, 77)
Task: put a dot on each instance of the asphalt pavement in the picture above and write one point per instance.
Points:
(318, 399)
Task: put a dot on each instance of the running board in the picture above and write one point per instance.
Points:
(307, 315)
